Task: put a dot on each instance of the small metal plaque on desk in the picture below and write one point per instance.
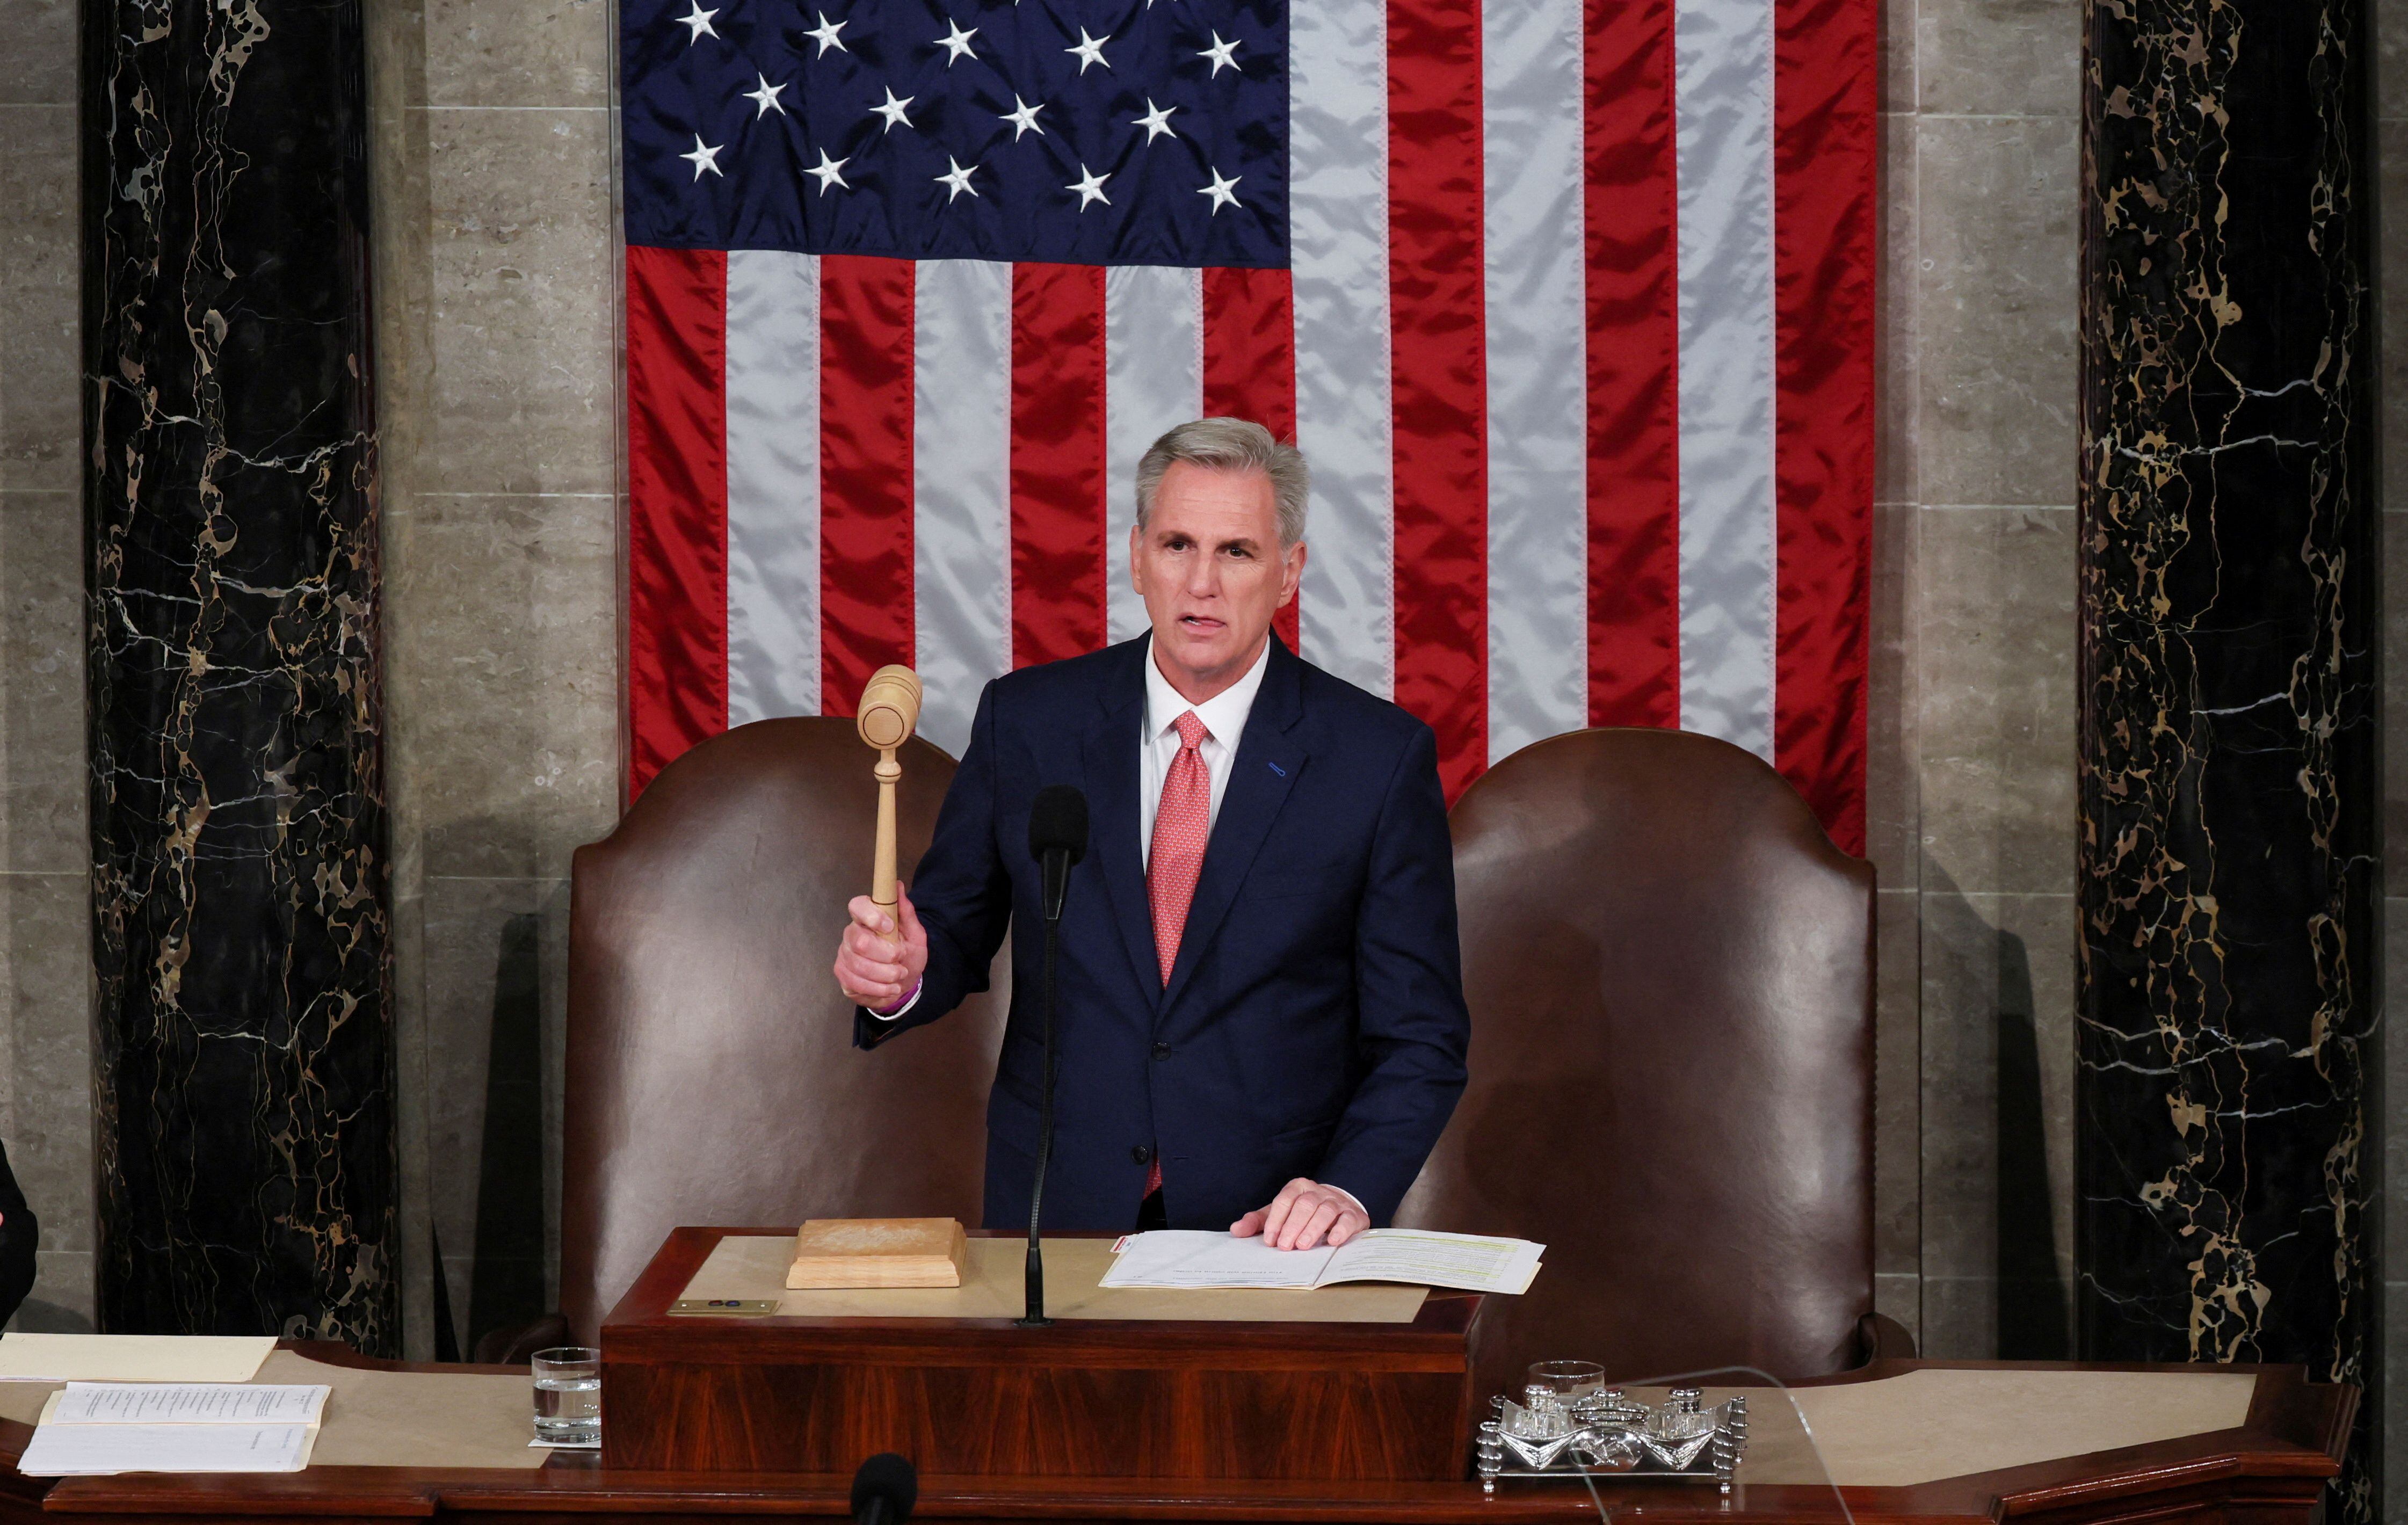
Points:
(730, 1307)
(1604, 1433)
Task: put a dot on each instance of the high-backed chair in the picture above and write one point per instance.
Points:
(712, 1077)
(1671, 975)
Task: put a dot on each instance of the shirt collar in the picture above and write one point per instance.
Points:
(1223, 714)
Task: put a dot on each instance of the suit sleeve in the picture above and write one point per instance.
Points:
(960, 889)
(1413, 1028)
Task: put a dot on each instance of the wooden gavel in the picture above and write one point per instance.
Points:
(890, 711)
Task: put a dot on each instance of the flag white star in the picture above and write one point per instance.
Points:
(1090, 51)
(703, 157)
(1022, 117)
(1223, 55)
(1222, 190)
(893, 110)
(698, 19)
(765, 98)
(826, 34)
(955, 42)
(1090, 187)
(825, 172)
(957, 182)
(1157, 121)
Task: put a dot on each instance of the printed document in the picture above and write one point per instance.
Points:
(99, 1428)
(1205, 1258)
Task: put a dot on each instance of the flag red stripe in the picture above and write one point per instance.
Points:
(866, 590)
(1634, 456)
(1824, 209)
(1057, 462)
(1250, 361)
(1439, 368)
(677, 504)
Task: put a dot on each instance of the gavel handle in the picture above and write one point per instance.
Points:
(881, 873)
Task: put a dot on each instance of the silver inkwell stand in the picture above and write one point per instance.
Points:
(1569, 1424)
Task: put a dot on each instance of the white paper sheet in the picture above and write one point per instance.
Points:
(1472, 1261)
(132, 1357)
(68, 1450)
(1203, 1257)
(186, 1403)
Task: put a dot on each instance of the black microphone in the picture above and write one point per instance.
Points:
(884, 1490)
(1057, 837)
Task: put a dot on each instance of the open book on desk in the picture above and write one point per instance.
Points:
(1418, 1257)
(96, 1429)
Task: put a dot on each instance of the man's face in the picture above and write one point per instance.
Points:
(1209, 565)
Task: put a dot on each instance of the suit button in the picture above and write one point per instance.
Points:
(1162, 1050)
(1142, 1155)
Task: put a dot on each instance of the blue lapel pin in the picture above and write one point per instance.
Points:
(1275, 767)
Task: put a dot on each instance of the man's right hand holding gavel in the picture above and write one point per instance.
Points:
(873, 967)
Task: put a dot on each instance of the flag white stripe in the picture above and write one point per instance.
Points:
(961, 474)
(1153, 380)
(1538, 416)
(773, 484)
(1723, 116)
(1337, 240)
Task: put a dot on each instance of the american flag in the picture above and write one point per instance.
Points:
(1568, 302)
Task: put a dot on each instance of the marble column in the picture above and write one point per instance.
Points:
(243, 1044)
(2227, 853)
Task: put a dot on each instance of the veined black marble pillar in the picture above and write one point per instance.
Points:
(243, 1017)
(2229, 879)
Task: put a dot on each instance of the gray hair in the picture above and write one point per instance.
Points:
(1230, 445)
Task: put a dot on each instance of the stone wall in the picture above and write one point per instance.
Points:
(497, 365)
(1973, 738)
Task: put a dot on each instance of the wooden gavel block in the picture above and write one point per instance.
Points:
(889, 713)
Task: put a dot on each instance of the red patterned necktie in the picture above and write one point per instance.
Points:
(1176, 861)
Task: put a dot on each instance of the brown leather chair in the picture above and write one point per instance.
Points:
(1671, 975)
(712, 1077)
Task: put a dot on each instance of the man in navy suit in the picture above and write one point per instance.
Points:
(1261, 1018)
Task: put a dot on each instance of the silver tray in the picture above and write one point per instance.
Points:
(1604, 1433)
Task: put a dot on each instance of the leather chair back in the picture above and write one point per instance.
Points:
(1671, 975)
(712, 1077)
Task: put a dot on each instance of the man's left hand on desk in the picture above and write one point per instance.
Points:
(1305, 1214)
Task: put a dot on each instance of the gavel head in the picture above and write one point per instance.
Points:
(890, 706)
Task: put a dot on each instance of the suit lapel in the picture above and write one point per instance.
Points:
(1266, 768)
(1111, 764)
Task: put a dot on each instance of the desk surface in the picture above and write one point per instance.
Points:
(752, 1264)
(1907, 1440)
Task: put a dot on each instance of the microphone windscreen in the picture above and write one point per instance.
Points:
(890, 1478)
(1058, 823)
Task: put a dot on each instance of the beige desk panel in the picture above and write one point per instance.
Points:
(385, 1419)
(1928, 1425)
(994, 1286)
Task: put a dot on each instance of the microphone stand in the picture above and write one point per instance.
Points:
(1056, 866)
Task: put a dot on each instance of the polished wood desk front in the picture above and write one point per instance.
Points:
(2268, 1470)
(986, 1397)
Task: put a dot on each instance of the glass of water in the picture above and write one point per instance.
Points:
(568, 1396)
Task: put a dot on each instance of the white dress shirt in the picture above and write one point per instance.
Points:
(1225, 721)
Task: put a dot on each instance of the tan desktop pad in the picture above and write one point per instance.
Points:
(385, 1419)
(1927, 1425)
(753, 1265)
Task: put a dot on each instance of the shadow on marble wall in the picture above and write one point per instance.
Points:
(1997, 1254)
(495, 1004)
(505, 1285)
